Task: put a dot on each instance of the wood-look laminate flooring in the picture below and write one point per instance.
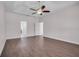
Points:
(38, 46)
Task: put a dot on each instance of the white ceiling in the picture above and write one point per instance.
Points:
(22, 7)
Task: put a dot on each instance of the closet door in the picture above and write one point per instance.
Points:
(23, 29)
(39, 28)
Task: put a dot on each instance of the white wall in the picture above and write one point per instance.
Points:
(13, 25)
(63, 25)
(2, 27)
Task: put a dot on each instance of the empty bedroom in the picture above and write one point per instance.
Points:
(39, 28)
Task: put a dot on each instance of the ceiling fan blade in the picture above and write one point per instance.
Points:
(34, 13)
(33, 9)
(46, 11)
(43, 7)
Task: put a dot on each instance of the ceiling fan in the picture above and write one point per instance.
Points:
(40, 10)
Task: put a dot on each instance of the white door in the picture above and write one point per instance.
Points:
(39, 28)
(23, 29)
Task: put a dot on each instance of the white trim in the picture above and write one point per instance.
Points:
(73, 42)
(48, 37)
(9, 38)
(13, 37)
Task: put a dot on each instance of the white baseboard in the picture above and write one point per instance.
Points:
(13, 37)
(73, 42)
(8, 38)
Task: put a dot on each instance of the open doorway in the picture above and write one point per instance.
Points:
(23, 28)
